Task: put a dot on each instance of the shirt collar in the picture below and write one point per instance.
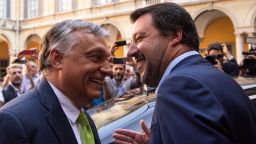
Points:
(15, 88)
(173, 63)
(71, 111)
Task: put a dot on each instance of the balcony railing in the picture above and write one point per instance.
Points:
(152, 1)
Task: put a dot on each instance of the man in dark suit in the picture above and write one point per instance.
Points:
(196, 103)
(13, 89)
(223, 58)
(73, 61)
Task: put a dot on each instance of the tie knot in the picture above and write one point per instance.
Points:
(82, 119)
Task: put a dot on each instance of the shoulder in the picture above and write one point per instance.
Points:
(25, 103)
(8, 88)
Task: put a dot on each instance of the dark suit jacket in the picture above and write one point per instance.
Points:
(198, 104)
(37, 118)
(231, 68)
(9, 93)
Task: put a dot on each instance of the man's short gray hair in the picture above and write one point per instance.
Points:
(14, 65)
(59, 38)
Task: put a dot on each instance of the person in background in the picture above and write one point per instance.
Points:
(118, 85)
(53, 112)
(31, 78)
(195, 103)
(14, 76)
(225, 61)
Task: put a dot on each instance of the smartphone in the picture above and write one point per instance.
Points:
(119, 60)
(20, 61)
(29, 52)
(120, 43)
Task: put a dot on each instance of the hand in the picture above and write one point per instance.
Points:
(113, 49)
(225, 51)
(218, 65)
(124, 136)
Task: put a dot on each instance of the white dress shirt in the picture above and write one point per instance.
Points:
(71, 111)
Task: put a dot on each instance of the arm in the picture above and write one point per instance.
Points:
(189, 113)
(6, 81)
(29, 76)
(106, 90)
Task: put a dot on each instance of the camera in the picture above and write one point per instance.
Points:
(119, 60)
(249, 53)
(120, 43)
(249, 62)
(211, 59)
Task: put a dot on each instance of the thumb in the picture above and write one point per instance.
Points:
(145, 128)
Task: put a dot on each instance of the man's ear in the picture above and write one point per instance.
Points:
(55, 59)
(176, 37)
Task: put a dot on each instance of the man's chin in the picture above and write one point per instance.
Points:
(16, 84)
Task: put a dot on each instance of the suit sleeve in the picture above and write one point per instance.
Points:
(11, 130)
(187, 113)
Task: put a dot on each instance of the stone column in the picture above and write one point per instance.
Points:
(239, 47)
(250, 34)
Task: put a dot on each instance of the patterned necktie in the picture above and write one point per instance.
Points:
(85, 129)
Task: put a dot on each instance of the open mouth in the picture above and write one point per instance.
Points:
(98, 81)
(139, 57)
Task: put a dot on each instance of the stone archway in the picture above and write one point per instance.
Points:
(114, 35)
(215, 26)
(33, 41)
(4, 55)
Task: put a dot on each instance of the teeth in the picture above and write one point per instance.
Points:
(97, 81)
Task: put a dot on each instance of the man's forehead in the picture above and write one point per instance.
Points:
(118, 65)
(142, 24)
(15, 69)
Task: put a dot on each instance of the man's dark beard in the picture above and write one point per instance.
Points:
(17, 83)
(151, 79)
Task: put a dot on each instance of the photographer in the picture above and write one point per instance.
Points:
(248, 66)
(219, 56)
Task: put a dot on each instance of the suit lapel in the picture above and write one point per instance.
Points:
(56, 116)
(13, 92)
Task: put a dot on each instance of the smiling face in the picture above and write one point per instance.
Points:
(149, 50)
(118, 71)
(81, 72)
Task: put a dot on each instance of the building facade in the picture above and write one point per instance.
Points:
(23, 23)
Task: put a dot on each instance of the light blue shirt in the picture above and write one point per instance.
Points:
(173, 63)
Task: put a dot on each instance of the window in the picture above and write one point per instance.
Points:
(4, 8)
(32, 8)
(64, 5)
(103, 2)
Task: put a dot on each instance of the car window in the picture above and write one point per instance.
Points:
(119, 107)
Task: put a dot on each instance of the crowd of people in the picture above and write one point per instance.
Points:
(196, 101)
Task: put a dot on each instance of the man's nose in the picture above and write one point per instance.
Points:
(106, 69)
(132, 50)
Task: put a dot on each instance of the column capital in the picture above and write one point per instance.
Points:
(244, 30)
